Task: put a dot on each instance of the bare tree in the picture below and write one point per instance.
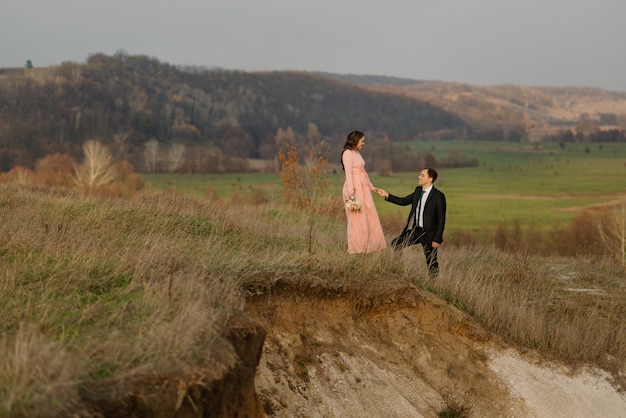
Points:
(98, 169)
(151, 154)
(17, 174)
(175, 156)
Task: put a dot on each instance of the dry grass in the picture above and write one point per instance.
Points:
(572, 309)
(96, 287)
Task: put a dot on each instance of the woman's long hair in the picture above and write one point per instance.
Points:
(351, 142)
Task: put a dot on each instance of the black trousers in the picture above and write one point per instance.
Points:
(431, 260)
(416, 236)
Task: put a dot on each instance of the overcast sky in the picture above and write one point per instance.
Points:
(529, 42)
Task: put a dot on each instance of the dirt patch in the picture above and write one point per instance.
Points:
(617, 200)
(613, 204)
(409, 354)
(619, 197)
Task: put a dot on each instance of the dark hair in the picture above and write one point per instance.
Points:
(432, 173)
(351, 142)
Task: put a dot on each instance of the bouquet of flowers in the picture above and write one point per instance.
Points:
(353, 204)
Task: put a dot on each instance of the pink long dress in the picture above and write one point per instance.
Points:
(365, 233)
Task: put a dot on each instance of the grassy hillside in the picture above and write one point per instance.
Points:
(95, 287)
(99, 288)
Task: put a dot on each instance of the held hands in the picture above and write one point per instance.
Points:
(381, 192)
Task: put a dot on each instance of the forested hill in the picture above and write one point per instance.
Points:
(513, 112)
(128, 100)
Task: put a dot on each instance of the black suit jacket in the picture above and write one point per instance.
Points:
(434, 215)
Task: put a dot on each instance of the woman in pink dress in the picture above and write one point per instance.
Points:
(365, 233)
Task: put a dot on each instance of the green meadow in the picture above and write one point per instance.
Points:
(540, 186)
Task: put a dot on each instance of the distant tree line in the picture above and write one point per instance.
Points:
(596, 135)
(216, 116)
(159, 117)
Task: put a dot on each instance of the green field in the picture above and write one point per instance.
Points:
(540, 186)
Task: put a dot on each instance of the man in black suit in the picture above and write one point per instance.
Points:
(427, 218)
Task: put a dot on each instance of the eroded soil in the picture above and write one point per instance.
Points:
(407, 354)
